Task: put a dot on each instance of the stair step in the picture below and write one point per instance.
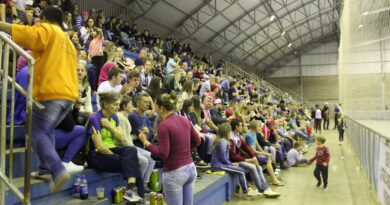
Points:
(90, 201)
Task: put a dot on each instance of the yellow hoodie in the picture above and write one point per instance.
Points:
(55, 71)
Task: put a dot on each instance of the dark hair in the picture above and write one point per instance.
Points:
(186, 104)
(167, 101)
(133, 74)
(108, 98)
(124, 102)
(114, 72)
(154, 87)
(139, 96)
(53, 15)
(234, 123)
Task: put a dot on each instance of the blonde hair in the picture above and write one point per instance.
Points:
(224, 131)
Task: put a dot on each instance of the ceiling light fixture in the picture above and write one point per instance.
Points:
(290, 44)
(360, 26)
(365, 13)
(272, 18)
(284, 32)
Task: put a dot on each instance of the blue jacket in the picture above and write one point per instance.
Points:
(220, 155)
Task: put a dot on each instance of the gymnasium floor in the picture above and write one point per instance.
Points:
(347, 184)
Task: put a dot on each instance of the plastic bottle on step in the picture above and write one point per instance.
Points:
(84, 188)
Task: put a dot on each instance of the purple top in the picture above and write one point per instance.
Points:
(176, 138)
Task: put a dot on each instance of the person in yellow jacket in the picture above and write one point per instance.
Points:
(55, 83)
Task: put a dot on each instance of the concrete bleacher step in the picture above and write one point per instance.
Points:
(91, 201)
(209, 189)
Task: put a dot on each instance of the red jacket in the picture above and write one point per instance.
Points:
(322, 155)
(240, 154)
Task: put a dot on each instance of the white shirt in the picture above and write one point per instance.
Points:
(106, 87)
(318, 114)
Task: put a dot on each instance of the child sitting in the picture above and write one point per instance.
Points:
(294, 156)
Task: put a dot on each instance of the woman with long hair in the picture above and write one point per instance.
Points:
(104, 155)
(84, 100)
(188, 90)
(220, 159)
(154, 89)
(176, 138)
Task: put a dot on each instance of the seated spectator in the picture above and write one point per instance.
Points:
(104, 71)
(187, 91)
(132, 86)
(141, 119)
(104, 155)
(208, 125)
(171, 82)
(217, 113)
(70, 137)
(294, 156)
(220, 159)
(84, 99)
(240, 151)
(144, 157)
(141, 57)
(146, 74)
(154, 89)
(113, 83)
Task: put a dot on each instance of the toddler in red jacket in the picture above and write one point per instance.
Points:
(322, 157)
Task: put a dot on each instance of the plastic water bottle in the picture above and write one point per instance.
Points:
(84, 188)
(76, 187)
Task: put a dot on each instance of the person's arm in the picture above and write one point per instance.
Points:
(6, 27)
(116, 131)
(326, 156)
(161, 150)
(100, 147)
(221, 150)
(234, 157)
(195, 139)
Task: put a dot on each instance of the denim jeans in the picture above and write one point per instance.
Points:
(42, 136)
(179, 184)
(146, 164)
(256, 174)
(73, 141)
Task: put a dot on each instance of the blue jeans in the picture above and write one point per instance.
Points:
(256, 174)
(73, 141)
(42, 136)
(179, 184)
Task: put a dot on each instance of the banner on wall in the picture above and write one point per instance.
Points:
(384, 174)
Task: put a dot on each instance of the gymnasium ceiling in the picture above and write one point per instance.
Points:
(256, 34)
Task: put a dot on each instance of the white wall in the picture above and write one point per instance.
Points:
(318, 61)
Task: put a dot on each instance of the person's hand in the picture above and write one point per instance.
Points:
(149, 113)
(145, 130)
(142, 137)
(309, 162)
(106, 123)
(126, 89)
(236, 164)
(324, 164)
(202, 137)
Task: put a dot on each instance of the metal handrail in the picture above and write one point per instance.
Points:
(7, 45)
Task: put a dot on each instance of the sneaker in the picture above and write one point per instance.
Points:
(71, 168)
(271, 194)
(202, 164)
(325, 187)
(41, 174)
(253, 192)
(318, 184)
(132, 196)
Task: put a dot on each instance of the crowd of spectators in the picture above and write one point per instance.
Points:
(147, 89)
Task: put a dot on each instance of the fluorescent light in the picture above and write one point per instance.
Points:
(360, 26)
(272, 18)
(290, 44)
(365, 13)
(284, 32)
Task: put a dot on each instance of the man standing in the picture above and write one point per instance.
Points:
(55, 83)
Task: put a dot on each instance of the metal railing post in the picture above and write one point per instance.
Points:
(3, 140)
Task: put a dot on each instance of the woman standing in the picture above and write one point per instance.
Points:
(176, 137)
